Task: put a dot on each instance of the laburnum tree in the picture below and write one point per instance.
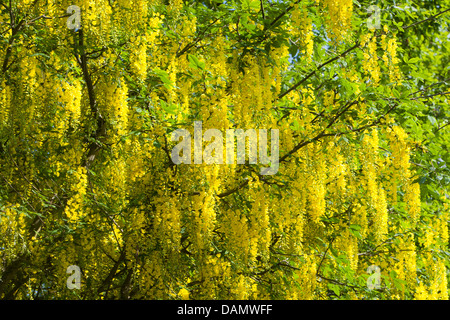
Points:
(87, 179)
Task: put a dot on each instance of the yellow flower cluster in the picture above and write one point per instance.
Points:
(204, 219)
(172, 71)
(375, 191)
(249, 93)
(240, 291)
(214, 271)
(328, 99)
(140, 11)
(189, 27)
(62, 258)
(154, 24)
(348, 245)
(136, 160)
(281, 55)
(316, 187)
(304, 280)
(380, 219)
(436, 287)
(174, 223)
(151, 277)
(259, 230)
(28, 79)
(167, 223)
(412, 199)
(235, 227)
(175, 5)
(444, 230)
(95, 19)
(184, 294)
(114, 103)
